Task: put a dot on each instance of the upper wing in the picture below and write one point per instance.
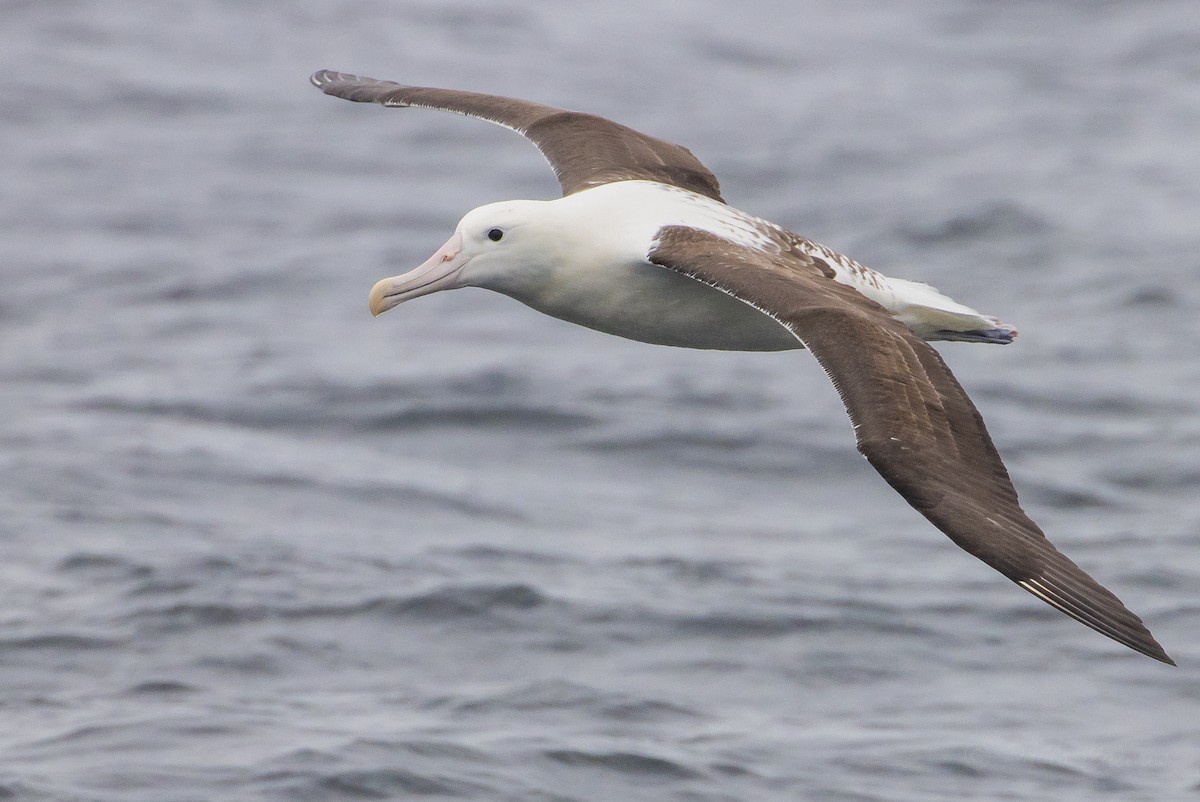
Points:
(584, 150)
(912, 419)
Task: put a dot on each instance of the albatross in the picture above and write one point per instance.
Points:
(642, 245)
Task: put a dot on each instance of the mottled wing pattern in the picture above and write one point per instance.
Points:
(801, 251)
(584, 150)
(912, 419)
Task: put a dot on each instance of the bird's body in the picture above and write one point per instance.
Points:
(643, 246)
(587, 263)
(607, 283)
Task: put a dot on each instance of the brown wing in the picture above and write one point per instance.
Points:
(584, 150)
(912, 419)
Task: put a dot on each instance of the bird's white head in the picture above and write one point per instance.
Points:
(508, 247)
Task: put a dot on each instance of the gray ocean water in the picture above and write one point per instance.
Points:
(259, 546)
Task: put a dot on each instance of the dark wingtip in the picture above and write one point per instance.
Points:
(1071, 591)
(1152, 649)
(321, 77)
(1147, 645)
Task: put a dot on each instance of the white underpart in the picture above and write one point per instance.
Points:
(632, 213)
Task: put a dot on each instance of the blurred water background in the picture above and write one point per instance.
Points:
(259, 546)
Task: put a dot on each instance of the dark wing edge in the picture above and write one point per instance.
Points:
(584, 150)
(912, 420)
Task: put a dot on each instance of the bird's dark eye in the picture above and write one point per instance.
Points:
(495, 235)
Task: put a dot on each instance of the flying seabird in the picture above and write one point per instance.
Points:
(643, 246)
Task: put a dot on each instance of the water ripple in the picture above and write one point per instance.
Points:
(643, 766)
(446, 604)
(390, 783)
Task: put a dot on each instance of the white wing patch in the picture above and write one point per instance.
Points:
(691, 209)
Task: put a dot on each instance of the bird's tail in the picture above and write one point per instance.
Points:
(934, 316)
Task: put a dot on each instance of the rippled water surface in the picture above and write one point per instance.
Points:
(259, 546)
